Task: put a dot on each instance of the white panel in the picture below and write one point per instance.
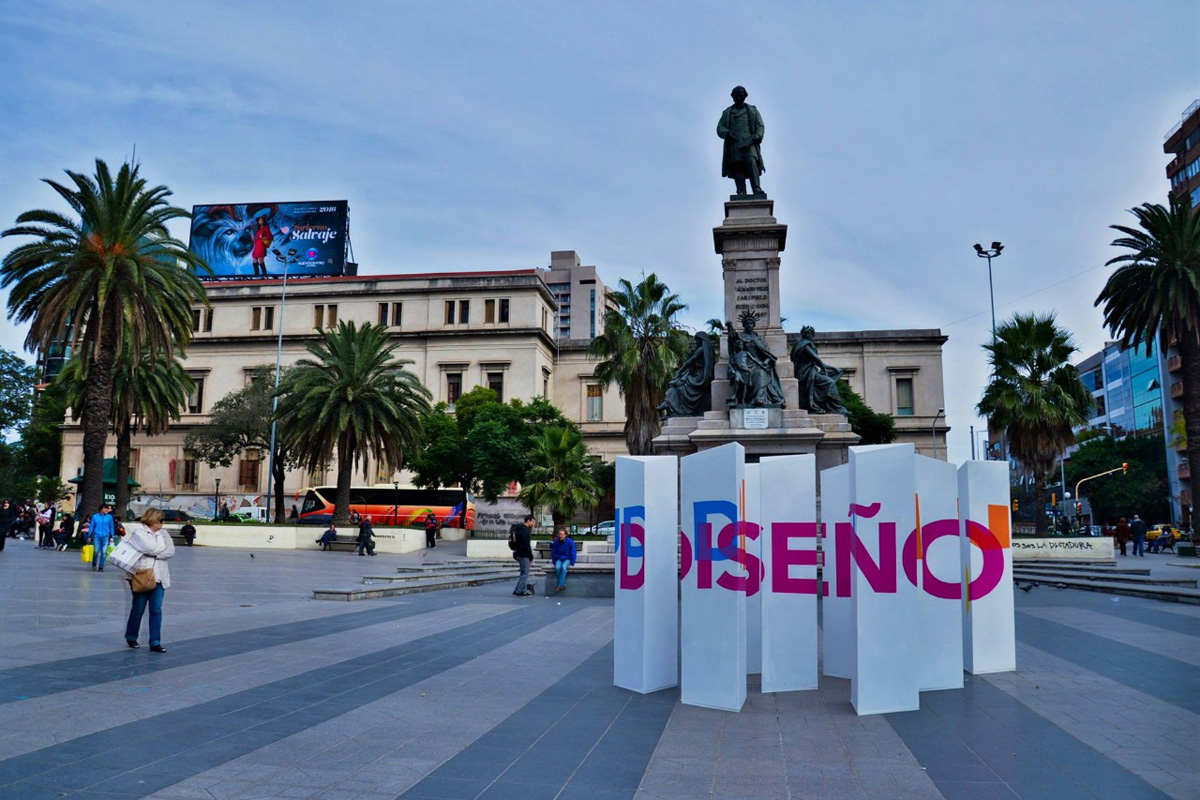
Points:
(989, 634)
(753, 547)
(788, 516)
(646, 599)
(713, 618)
(883, 602)
(934, 564)
(837, 630)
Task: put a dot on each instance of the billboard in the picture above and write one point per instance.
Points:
(310, 235)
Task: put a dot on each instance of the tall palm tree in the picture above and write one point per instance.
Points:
(103, 276)
(640, 348)
(560, 476)
(354, 396)
(149, 392)
(1036, 394)
(1156, 295)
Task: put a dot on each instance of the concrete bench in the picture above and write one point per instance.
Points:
(583, 580)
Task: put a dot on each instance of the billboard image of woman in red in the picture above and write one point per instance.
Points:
(262, 243)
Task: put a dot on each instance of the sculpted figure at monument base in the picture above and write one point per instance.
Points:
(690, 392)
(752, 368)
(818, 380)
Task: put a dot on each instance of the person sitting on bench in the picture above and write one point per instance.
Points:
(328, 538)
(1165, 540)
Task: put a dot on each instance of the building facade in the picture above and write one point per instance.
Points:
(1183, 145)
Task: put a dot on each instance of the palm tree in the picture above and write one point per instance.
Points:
(1155, 295)
(354, 396)
(148, 393)
(641, 346)
(108, 276)
(560, 476)
(1036, 394)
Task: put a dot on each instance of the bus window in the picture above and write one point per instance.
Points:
(312, 502)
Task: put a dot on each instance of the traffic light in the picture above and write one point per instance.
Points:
(1053, 499)
(1078, 508)
(1124, 467)
(1015, 506)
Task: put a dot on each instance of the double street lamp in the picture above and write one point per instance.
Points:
(990, 253)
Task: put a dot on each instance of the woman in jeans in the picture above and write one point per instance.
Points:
(562, 555)
(156, 547)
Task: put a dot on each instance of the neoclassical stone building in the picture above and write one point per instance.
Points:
(461, 330)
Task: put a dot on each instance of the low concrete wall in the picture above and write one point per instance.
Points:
(453, 534)
(488, 548)
(1082, 548)
(301, 537)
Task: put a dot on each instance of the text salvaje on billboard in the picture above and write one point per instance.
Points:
(234, 243)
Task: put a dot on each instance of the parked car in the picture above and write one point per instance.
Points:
(1158, 529)
(606, 528)
(250, 514)
(175, 515)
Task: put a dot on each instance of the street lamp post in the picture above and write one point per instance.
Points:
(990, 253)
(933, 429)
(217, 501)
(287, 262)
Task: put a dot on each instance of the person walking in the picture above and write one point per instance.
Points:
(562, 555)
(8, 514)
(365, 535)
(101, 531)
(156, 546)
(1138, 529)
(1123, 534)
(523, 552)
(328, 538)
(431, 529)
(45, 520)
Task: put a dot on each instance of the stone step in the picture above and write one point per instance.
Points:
(409, 576)
(1046, 575)
(464, 569)
(1081, 562)
(1171, 594)
(377, 591)
(1072, 569)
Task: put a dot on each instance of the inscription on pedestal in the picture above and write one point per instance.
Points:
(752, 293)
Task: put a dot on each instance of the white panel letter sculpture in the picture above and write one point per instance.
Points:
(787, 514)
(883, 493)
(646, 601)
(713, 619)
(989, 636)
(751, 542)
(931, 562)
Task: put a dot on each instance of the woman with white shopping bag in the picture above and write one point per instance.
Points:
(149, 577)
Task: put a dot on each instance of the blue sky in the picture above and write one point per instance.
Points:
(483, 135)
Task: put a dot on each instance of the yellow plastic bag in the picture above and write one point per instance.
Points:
(85, 554)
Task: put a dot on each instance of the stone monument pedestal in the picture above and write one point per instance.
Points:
(749, 242)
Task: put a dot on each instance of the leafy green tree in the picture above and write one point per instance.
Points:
(484, 445)
(560, 475)
(1144, 490)
(106, 274)
(241, 421)
(873, 426)
(1155, 295)
(149, 392)
(1036, 394)
(16, 390)
(356, 398)
(640, 348)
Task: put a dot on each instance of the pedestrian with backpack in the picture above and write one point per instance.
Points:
(519, 543)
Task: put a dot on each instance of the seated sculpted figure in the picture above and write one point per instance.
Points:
(752, 368)
(690, 392)
(818, 380)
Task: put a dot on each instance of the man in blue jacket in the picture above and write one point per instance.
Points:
(562, 556)
(101, 530)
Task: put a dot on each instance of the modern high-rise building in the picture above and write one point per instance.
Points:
(1183, 172)
(580, 294)
(1183, 142)
(1127, 389)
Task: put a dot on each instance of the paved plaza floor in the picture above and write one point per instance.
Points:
(473, 693)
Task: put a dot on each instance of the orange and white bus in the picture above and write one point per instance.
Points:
(406, 506)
